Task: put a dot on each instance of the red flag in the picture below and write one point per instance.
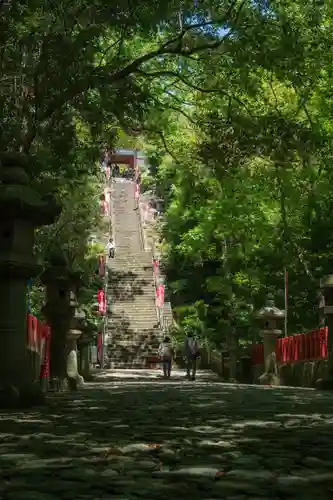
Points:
(101, 302)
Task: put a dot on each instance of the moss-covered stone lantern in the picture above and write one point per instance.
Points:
(270, 317)
(22, 210)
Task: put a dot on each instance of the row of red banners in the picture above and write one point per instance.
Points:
(39, 341)
(296, 348)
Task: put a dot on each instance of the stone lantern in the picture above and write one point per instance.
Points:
(271, 318)
(22, 210)
(84, 342)
(73, 335)
(321, 304)
(59, 311)
(326, 284)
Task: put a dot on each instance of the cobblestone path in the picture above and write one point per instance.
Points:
(122, 438)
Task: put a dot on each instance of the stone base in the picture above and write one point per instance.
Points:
(268, 378)
(66, 384)
(14, 396)
(87, 377)
(325, 384)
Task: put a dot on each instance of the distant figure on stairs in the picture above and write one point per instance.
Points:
(166, 352)
(111, 248)
(191, 354)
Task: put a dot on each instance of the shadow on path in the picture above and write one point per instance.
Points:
(147, 438)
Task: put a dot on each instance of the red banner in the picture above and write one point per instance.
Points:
(101, 302)
(45, 367)
(33, 331)
(160, 296)
(101, 266)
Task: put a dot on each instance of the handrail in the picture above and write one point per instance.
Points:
(142, 237)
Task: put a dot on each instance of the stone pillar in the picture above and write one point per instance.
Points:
(22, 210)
(232, 343)
(59, 311)
(270, 317)
(321, 302)
(326, 284)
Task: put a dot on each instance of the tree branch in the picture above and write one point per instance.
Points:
(101, 75)
(158, 74)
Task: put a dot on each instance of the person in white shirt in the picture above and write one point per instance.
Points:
(166, 352)
(111, 248)
(191, 354)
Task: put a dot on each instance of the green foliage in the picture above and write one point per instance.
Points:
(233, 102)
(246, 171)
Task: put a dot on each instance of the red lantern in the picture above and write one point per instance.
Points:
(45, 367)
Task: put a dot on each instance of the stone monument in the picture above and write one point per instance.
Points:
(22, 210)
(270, 317)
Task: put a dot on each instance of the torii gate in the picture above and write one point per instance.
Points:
(131, 157)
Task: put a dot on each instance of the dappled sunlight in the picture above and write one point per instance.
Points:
(170, 438)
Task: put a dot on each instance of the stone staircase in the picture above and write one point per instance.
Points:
(133, 329)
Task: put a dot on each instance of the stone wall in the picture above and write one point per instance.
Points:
(304, 374)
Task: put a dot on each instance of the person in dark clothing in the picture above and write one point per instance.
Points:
(191, 354)
(166, 352)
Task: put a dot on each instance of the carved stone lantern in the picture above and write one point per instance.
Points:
(59, 311)
(22, 210)
(271, 319)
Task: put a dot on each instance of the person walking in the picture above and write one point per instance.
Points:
(166, 352)
(191, 354)
(111, 248)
